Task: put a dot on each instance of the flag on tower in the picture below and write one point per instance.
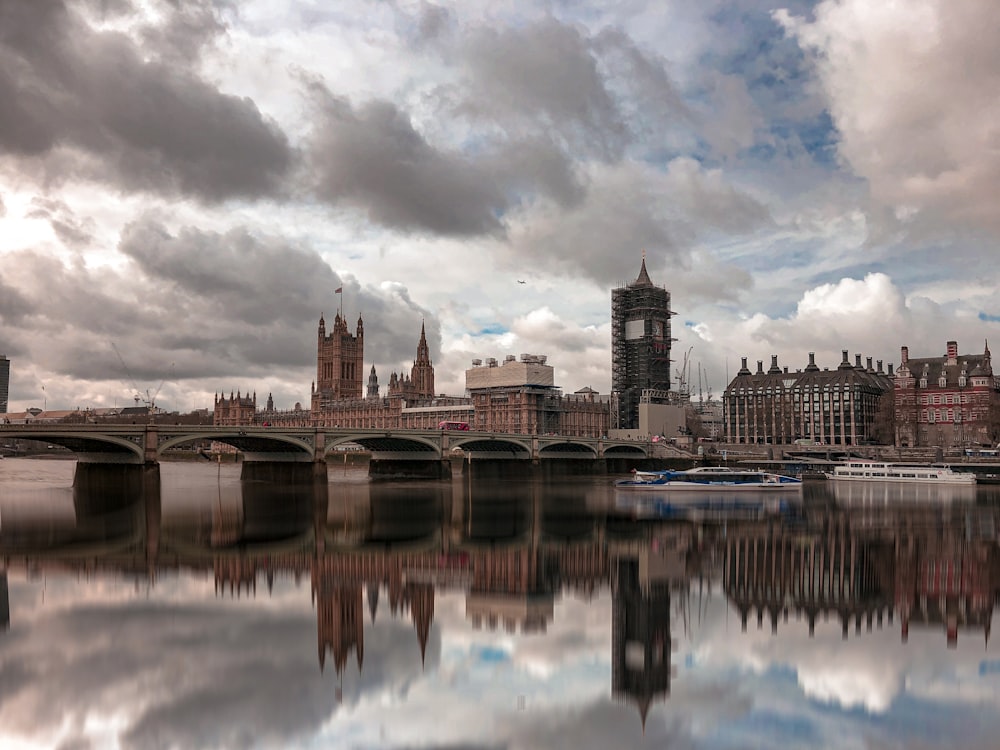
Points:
(339, 290)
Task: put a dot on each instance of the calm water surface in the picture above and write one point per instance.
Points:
(217, 613)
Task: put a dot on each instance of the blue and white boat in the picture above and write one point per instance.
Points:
(714, 478)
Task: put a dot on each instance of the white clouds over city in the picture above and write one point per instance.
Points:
(193, 182)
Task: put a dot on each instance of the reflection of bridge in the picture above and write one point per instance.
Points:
(147, 444)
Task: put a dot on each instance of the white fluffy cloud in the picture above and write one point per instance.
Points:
(911, 89)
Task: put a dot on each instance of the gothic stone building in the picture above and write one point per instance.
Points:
(947, 400)
(235, 410)
(835, 407)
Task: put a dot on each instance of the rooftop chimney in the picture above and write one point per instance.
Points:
(952, 352)
(904, 354)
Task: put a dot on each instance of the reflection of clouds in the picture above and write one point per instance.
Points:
(192, 672)
(850, 685)
(815, 686)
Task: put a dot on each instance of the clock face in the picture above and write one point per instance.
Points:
(656, 329)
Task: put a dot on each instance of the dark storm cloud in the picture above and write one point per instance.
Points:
(648, 98)
(14, 306)
(546, 75)
(202, 311)
(94, 105)
(189, 26)
(374, 159)
(258, 280)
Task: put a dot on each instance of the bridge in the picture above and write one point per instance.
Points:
(301, 451)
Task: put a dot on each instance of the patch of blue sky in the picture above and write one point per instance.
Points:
(758, 51)
(853, 271)
(989, 317)
(779, 730)
(816, 135)
(492, 329)
(491, 654)
(933, 724)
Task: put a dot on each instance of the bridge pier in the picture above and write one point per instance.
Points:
(284, 472)
(395, 468)
(97, 479)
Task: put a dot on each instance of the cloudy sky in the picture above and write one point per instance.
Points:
(189, 182)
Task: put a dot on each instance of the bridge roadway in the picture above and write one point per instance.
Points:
(146, 444)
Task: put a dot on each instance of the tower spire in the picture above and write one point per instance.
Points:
(643, 278)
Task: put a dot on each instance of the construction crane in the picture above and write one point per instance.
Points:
(683, 390)
(150, 399)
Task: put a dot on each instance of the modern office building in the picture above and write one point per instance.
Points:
(640, 348)
(4, 383)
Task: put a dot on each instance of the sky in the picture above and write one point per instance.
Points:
(184, 185)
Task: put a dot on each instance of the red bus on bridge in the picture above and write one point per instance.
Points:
(446, 425)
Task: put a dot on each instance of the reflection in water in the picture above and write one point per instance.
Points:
(888, 493)
(860, 556)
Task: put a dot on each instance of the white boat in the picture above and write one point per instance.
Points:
(857, 470)
(713, 478)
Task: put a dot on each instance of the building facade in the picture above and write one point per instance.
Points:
(235, 410)
(520, 397)
(945, 401)
(4, 383)
(418, 385)
(339, 363)
(833, 407)
(640, 348)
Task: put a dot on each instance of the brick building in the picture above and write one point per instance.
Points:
(339, 363)
(836, 407)
(949, 400)
(235, 410)
(521, 397)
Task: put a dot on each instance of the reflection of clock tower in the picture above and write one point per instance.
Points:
(641, 644)
(640, 348)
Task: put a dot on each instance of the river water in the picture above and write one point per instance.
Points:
(499, 614)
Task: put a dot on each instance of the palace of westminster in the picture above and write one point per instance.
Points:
(947, 400)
